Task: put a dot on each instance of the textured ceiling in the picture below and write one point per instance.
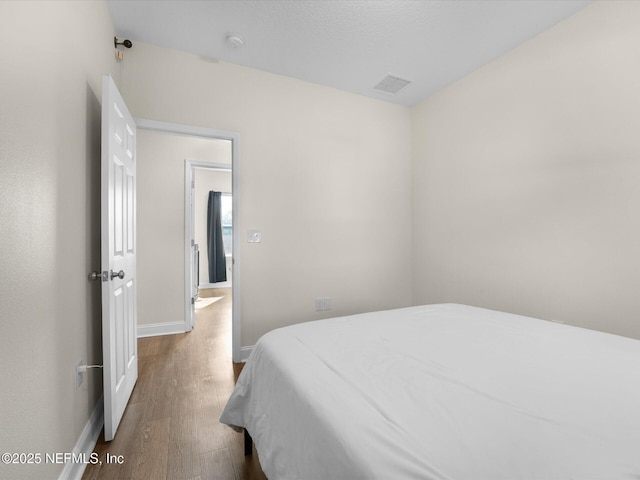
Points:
(347, 44)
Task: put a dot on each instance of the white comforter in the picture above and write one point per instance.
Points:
(441, 392)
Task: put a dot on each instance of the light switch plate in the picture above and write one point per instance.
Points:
(254, 236)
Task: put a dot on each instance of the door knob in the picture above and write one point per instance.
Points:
(119, 274)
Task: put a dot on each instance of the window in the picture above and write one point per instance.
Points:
(227, 222)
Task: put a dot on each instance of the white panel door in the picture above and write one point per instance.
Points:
(119, 313)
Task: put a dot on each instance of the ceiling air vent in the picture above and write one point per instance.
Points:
(391, 84)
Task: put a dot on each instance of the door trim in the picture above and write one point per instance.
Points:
(234, 137)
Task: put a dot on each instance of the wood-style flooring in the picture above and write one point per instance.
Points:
(170, 429)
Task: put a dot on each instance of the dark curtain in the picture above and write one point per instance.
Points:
(215, 247)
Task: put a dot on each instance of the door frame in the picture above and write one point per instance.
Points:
(234, 137)
(189, 231)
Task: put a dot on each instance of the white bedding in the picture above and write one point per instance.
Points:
(441, 392)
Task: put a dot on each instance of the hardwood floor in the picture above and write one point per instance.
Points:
(170, 429)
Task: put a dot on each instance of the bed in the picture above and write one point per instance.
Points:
(441, 392)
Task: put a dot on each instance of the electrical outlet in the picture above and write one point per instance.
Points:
(79, 374)
(323, 304)
(327, 303)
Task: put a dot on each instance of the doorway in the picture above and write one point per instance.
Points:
(163, 270)
(202, 179)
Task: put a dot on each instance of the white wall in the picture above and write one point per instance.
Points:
(161, 162)
(206, 181)
(52, 58)
(526, 178)
(325, 175)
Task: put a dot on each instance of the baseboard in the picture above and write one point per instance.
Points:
(86, 443)
(245, 352)
(226, 284)
(155, 329)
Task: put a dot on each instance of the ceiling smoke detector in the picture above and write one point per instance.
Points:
(235, 40)
(391, 84)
